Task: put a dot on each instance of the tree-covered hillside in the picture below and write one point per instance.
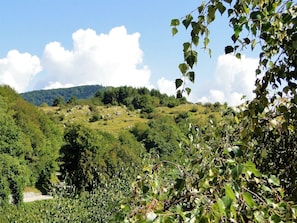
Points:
(48, 96)
(29, 146)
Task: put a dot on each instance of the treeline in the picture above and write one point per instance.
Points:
(133, 98)
(65, 94)
(137, 98)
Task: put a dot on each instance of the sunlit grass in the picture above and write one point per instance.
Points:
(32, 190)
(114, 119)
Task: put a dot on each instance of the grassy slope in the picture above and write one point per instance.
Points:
(114, 119)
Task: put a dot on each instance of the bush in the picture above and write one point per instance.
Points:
(100, 205)
(14, 177)
(194, 109)
(95, 118)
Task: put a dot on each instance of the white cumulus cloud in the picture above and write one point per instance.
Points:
(234, 78)
(113, 59)
(18, 69)
(166, 86)
(55, 85)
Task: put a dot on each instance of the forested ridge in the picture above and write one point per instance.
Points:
(39, 97)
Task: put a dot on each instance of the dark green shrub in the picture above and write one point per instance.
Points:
(95, 118)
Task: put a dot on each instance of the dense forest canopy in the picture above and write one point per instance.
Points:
(39, 97)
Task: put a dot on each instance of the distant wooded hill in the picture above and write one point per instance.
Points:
(48, 96)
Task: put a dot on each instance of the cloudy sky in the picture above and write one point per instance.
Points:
(64, 43)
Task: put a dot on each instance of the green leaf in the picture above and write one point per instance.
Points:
(183, 67)
(221, 206)
(237, 151)
(288, 5)
(230, 11)
(200, 8)
(229, 192)
(251, 167)
(264, 153)
(247, 40)
(218, 209)
(248, 199)
(145, 189)
(179, 184)
(246, 9)
(191, 76)
(191, 58)
(275, 218)
(273, 180)
(233, 211)
(174, 31)
(236, 171)
(178, 83)
(238, 55)
(265, 188)
(228, 1)
(188, 90)
(206, 42)
(227, 202)
(255, 15)
(211, 13)
(234, 38)
(187, 46)
(259, 216)
(195, 40)
(254, 29)
(187, 21)
(179, 94)
(175, 22)
(237, 30)
(221, 8)
(209, 52)
(228, 49)
(258, 71)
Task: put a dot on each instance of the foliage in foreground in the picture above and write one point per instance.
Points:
(99, 205)
(221, 182)
(216, 183)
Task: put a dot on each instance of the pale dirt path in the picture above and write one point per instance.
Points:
(31, 196)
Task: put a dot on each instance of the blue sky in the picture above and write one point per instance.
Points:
(62, 43)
